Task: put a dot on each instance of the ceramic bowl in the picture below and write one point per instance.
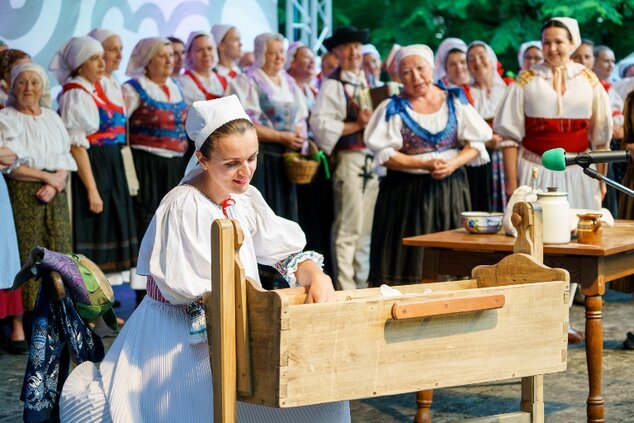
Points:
(482, 222)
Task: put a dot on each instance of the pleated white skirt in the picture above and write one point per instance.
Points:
(153, 374)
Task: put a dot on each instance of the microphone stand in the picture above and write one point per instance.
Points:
(596, 175)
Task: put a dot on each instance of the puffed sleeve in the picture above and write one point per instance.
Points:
(326, 121)
(509, 120)
(131, 98)
(80, 116)
(189, 88)
(176, 247)
(274, 238)
(473, 129)
(248, 94)
(601, 120)
(10, 136)
(63, 159)
(617, 105)
(383, 137)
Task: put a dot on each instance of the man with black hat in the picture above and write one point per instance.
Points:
(338, 120)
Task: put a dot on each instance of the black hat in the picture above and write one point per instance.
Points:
(347, 34)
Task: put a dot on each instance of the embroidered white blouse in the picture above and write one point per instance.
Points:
(191, 91)
(79, 112)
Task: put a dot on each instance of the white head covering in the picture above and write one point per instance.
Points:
(204, 117)
(100, 34)
(625, 64)
(573, 27)
(525, 46)
(370, 49)
(493, 59)
(391, 56)
(219, 31)
(442, 52)
(142, 53)
(72, 55)
(192, 36)
(260, 43)
(419, 50)
(290, 53)
(45, 100)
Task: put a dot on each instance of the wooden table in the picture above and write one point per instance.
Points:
(457, 252)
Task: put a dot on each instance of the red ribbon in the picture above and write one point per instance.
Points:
(227, 203)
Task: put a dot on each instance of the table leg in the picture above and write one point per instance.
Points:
(423, 400)
(594, 356)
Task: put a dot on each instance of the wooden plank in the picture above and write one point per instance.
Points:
(427, 308)
(517, 269)
(518, 417)
(533, 397)
(220, 315)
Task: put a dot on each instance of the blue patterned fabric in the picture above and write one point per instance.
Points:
(58, 334)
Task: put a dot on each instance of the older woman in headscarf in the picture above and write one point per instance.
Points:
(424, 137)
(300, 64)
(486, 182)
(37, 179)
(227, 38)
(372, 65)
(200, 81)
(8, 59)
(529, 54)
(102, 207)
(536, 116)
(278, 110)
(156, 126)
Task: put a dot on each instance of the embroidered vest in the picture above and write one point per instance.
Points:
(111, 117)
(352, 141)
(158, 124)
(279, 115)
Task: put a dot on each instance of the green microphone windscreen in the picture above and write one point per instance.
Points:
(554, 159)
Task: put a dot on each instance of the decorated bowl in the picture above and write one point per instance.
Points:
(482, 222)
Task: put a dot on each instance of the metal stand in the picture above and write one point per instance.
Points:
(596, 175)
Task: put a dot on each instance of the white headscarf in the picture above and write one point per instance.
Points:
(142, 53)
(625, 64)
(493, 59)
(72, 55)
(219, 31)
(204, 117)
(419, 50)
(525, 46)
(101, 35)
(573, 27)
(448, 44)
(260, 44)
(389, 59)
(45, 100)
(370, 49)
(192, 36)
(291, 52)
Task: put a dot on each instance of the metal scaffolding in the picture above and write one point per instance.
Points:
(309, 21)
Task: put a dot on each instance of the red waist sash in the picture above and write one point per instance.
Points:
(542, 134)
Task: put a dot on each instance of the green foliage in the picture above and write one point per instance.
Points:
(504, 24)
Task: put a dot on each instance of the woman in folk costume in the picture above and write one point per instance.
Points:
(277, 108)
(37, 179)
(200, 81)
(300, 64)
(450, 65)
(102, 207)
(486, 182)
(156, 112)
(529, 54)
(424, 137)
(555, 104)
(145, 377)
(227, 38)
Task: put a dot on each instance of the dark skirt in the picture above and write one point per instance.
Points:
(316, 215)
(38, 224)
(108, 238)
(271, 180)
(157, 176)
(626, 211)
(486, 184)
(409, 205)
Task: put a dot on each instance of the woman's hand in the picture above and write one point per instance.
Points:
(444, 169)
(95, 203)
(321, 289)
(46, 193)
(291, 140)
(58, 180)
(494, 143)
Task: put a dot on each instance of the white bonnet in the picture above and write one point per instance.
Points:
(72, 55)
(419, 50)
(204, 117)
(142, 53)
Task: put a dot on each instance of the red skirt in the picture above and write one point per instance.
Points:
(10, 303)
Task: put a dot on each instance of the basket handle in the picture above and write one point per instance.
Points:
(428, 308)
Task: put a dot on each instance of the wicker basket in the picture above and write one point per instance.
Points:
(299, 168)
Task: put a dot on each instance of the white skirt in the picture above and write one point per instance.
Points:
(153, 374)
(583, 191)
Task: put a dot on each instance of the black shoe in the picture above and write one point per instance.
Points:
(628, 344)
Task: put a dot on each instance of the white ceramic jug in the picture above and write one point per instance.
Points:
(556, 216)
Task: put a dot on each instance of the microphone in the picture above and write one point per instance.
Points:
(558, 159)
